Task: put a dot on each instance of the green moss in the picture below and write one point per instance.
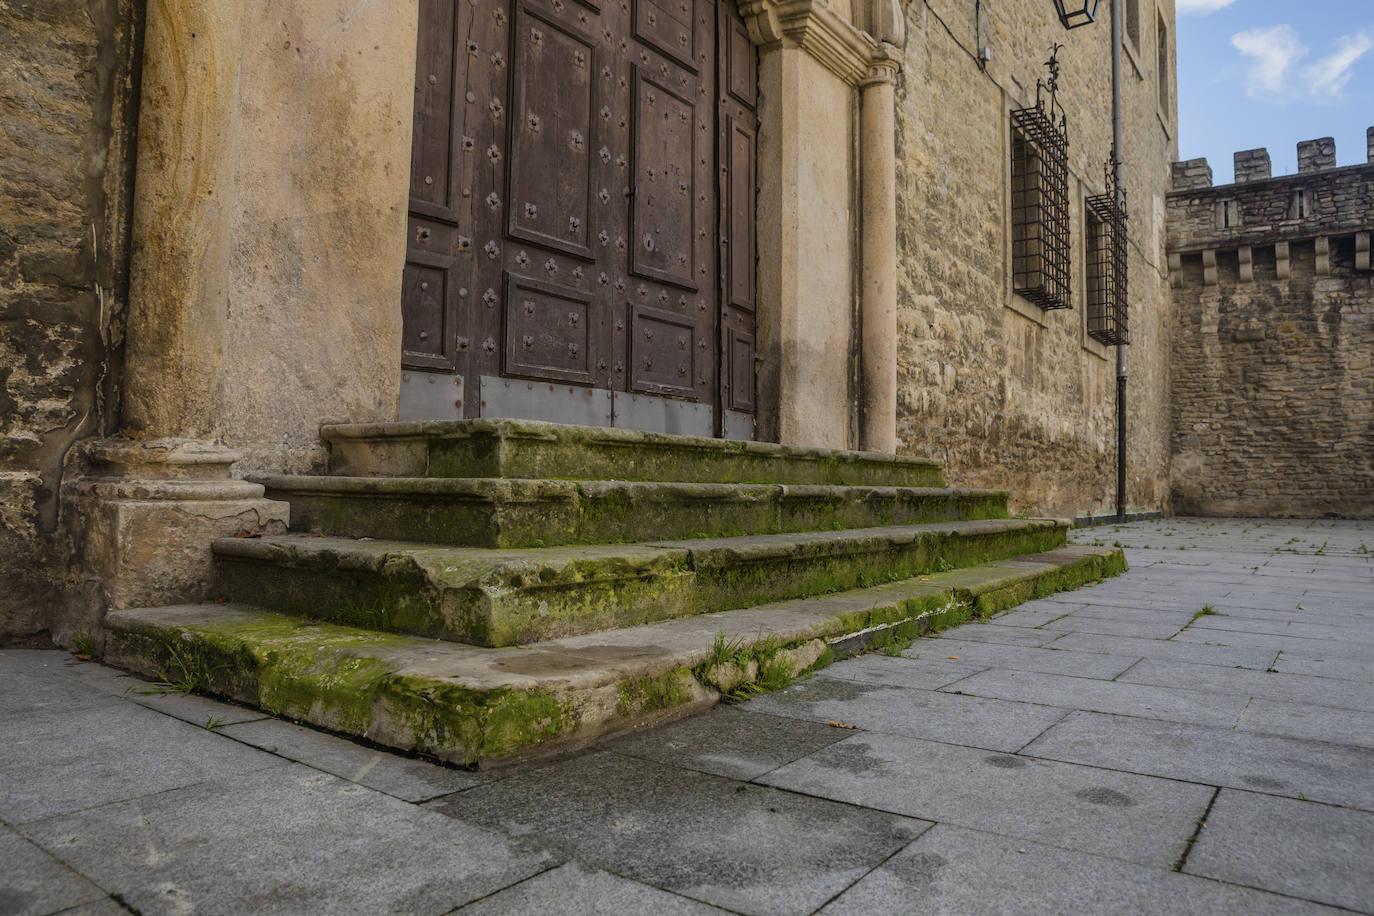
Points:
(443, 717)
(660, 691)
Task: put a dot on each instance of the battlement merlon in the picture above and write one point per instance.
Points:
(1316, 155)
(1320, 201)
(1192, 174)
(1253, 165)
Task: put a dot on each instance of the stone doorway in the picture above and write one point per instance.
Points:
(581, 216)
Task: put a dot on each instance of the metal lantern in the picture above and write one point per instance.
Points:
(1074, 13)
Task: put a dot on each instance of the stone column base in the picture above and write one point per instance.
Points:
(142, 516)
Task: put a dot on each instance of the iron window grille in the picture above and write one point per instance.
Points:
(1040, 198)
(1107, 288)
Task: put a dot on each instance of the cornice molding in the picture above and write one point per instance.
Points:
(849, 52)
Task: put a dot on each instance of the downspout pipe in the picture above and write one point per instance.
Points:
(1118, 138)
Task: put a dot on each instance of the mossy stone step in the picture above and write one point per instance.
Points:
(543, 451)
(471, 705)
(507, 597)
(499, 512)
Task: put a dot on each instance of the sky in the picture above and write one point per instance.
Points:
(1269, 73)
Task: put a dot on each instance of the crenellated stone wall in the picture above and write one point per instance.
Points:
(1273, 390)
(1007, 394)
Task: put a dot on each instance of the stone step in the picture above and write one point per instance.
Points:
(478, 706)
(507, 597)
(495, 512)
(536, 450)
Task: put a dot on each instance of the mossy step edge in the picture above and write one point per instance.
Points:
(386, 688)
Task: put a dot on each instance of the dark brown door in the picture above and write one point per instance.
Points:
(582, 198)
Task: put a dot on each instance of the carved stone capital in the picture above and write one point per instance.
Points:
(883, 66)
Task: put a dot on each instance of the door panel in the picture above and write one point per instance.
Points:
(578, 168)
(549, 202)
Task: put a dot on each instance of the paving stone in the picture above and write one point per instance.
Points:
(1315, 852)
(575, 890)
(1167, 703)
(1349, 669)
(106, 907)
(403, 777)
(1155, 613)
(1005, 635)
(1131, 817)
(1324, 772)
(284, 841)
(1316, 691)
(41, 686)
(1301, 720)
(975, 721)
(33, 882)
(743, 847)
(60, 762)
(729, 741)
(1302, 629)
(1032, 614)
(1143, 629)
(1303, 645)
(902, 671)
(1226, 656)
(196, 710)
(1025, 658)
(955, 870)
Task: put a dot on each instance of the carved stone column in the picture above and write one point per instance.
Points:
(878, 177)
(183, 218)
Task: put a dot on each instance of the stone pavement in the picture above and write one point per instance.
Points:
(1106, 750)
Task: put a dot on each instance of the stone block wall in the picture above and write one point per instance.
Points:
(1273, 390)
(67, 77)
(1006, 394)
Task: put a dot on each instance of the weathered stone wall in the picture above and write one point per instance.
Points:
(1006, 394)
(1273, 390)
(67, 98)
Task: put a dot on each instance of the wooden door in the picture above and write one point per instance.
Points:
(581, 198)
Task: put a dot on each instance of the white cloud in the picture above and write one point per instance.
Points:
(1201, 7)
(1328, 76)
(1274, 51)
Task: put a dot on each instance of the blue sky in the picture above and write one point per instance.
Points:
(1270, 73)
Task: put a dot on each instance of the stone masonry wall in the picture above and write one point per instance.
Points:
(67, 73)
(1006, 394)
(1273, 390)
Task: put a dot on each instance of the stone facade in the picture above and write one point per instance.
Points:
(68, 77)
(267, 231)
(1005, 393)
(1273, 391)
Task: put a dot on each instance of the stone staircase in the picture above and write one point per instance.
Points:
(491, 589)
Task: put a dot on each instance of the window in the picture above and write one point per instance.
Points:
(1299, 205)
(1039, 209)
(1228, 215)
(1105, 244)
(1163, 66)
(1133, 21)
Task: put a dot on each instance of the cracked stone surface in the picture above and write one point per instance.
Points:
(1056, 759)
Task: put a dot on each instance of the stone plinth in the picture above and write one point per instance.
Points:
(144, 515)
